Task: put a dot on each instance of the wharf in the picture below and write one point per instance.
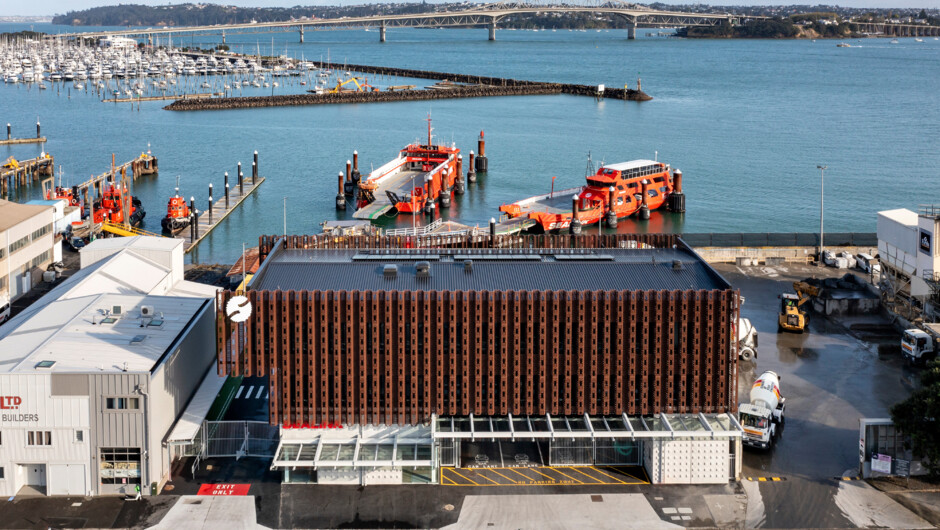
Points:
(400, 184)
(441, 227)
(15, 173)
(207, 220)
(17, 141)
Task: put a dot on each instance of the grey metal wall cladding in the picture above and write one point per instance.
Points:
(69, 384)
(116, 428)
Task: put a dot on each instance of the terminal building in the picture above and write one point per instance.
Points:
(96, 373)
(392, 359)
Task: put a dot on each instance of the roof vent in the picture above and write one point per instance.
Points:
(45, 364)
(390, 271)
(677, 265)
(424, 269)
(468, 266)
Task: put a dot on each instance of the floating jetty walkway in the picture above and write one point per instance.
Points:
(200, 95)
(39, 139)
(471, 86)
(206, 221)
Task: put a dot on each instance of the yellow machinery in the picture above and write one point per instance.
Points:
(11, 163)
(792, 315)
(363, 87)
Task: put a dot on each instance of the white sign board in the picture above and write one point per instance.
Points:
(881, 463)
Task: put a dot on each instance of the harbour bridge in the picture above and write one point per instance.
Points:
(483, 15)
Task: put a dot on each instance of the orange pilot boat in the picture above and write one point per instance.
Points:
(615, 191)
(420, 175)
(115, 201)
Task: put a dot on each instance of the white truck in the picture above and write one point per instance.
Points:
(747, 340)
(761, 417)
(920, 345)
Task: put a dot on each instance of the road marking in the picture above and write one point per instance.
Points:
(615, 470)
(555, 469)
(239, 394)
(480, 474)
(578, 470)
(260, 388)
(250, 390)
(267, 394)
(463, 477)
(553, 479)
(504, 476)
(611, 476)
(445, 477)
(767, 479)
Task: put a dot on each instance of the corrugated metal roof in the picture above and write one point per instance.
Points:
(139, 242)
(75, 335)
(599, 269)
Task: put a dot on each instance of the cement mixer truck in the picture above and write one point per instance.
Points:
(761, 417)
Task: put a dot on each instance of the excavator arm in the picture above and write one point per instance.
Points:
(805, 291)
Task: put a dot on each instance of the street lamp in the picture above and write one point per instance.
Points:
(822, 189)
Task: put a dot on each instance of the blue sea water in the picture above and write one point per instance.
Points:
(747, 121)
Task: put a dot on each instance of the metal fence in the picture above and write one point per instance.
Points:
(782, 239)
(238, 438)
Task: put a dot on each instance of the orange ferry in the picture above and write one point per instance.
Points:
(615, 191)
(412, 182)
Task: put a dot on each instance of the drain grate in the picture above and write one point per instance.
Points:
(597, 498)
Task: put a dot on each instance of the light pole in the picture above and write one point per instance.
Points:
(822, 191)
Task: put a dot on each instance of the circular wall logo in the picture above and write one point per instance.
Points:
(238, 308)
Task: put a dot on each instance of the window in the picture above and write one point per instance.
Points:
(122, 403)
(120, 465)
(18, 244)
(40, 259)
(35, 438)
(79, 436)
(41, 232)
(1, 474)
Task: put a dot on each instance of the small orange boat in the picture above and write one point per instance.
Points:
(412, 182)
(615, 191)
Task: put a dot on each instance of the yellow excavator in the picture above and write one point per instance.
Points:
(360, 87)
(792, 315)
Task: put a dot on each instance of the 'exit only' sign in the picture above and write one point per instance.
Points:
(224, 489)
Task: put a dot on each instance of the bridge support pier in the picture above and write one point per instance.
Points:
(631, 30)
(382, 33)
(301, 34)
(493, 30)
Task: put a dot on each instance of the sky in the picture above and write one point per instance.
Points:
(51, 7)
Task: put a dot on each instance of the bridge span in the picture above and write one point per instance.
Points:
(485, 15)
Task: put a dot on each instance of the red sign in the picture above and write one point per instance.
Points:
(312, 426)
(224, 489)
(10, 402)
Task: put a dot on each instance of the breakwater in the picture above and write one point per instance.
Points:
(469, 86)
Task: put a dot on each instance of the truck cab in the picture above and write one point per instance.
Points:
(917, 346)
(759, 425)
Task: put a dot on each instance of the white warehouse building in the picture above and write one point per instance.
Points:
(94, 375)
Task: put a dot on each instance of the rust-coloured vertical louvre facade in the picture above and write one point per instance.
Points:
(397, 357)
